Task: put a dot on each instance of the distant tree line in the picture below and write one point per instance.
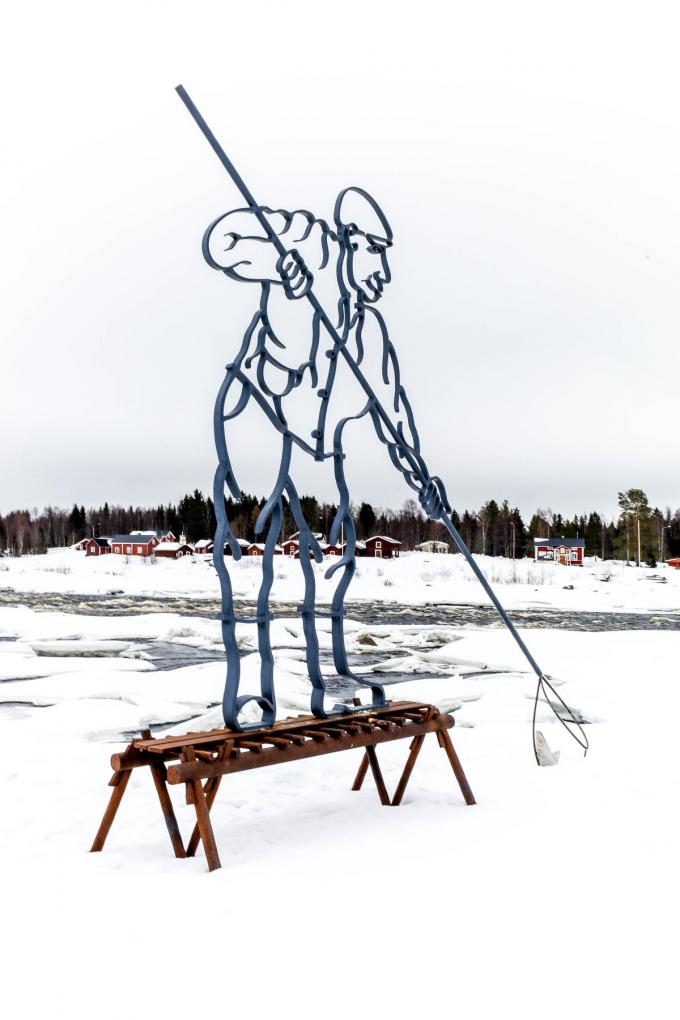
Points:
(640, 533)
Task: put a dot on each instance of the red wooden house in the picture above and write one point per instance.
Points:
(160, 534)
(245, 546)
(96, 546)
(291, 547)
(172, 550)
(382, 546)
(133, 545)
(567, 551)
(674, 563)
(204, 546)
(257, 549)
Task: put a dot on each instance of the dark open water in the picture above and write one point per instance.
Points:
(449, 614)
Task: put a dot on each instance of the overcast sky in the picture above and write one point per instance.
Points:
(528, 158)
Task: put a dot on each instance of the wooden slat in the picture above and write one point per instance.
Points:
(217, 736)
(143, 752)
(315, 734)
(311, 748)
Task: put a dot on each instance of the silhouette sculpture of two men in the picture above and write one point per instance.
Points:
(271, 369)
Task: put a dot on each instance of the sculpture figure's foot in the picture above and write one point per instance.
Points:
(378, 698)
(233, 710)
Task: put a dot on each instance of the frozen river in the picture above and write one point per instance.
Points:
(367, 612)
(162, 651)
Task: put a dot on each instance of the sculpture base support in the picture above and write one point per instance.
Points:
(200, 760)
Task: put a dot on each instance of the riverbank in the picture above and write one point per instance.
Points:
(412, 579)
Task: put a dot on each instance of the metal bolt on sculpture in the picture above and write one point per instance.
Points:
(359, 243)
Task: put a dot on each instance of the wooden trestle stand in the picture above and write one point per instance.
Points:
(204, 758)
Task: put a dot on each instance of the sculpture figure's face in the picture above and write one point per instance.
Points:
(365, 236)
(368, 270)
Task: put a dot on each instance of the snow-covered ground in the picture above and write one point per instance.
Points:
(414, 578)
(556, 896)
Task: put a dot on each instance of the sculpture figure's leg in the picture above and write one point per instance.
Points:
(263, 617)
(271, 514)
(308, 547)
(232, 704)
(347, 564)
(224, 479)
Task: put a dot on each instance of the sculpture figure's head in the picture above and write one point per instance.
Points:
(364, 235)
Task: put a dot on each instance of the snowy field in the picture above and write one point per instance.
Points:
(412, 579)
(557, 895)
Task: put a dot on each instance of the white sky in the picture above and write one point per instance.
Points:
(527, 156)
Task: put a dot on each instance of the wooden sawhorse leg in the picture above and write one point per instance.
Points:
(416, 745)
(196, 795)
(210, 789)
(445, 742)
(361, 774)
(118, 781)
(160, 774)
(370, 758)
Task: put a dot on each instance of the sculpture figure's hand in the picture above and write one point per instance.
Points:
(296, 278)
(433, 499)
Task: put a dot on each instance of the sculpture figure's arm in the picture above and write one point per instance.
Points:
(236, 244)
(390, 394)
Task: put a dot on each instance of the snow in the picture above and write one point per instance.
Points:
(556, 895)
(413, 578)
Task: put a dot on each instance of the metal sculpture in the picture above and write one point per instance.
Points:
(359, 245)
